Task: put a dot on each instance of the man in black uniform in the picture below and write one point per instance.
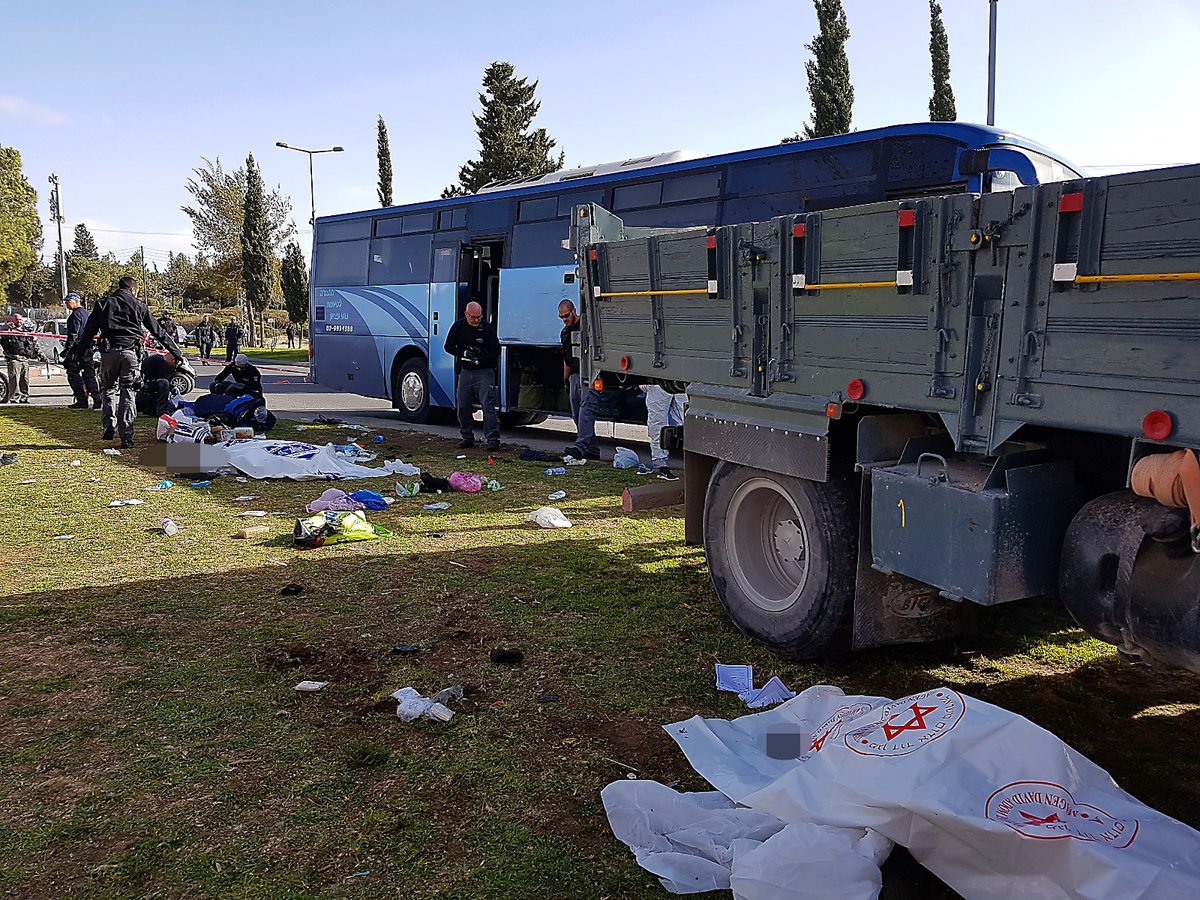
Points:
(476, 351)
(233, 340)
(206, 335)
(120, 318)
(154, 396)
(81, 374)
(238, 379)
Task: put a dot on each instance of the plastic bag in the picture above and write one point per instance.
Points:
(466, 483)
(335, 527)
(549, 517)
(624, 458)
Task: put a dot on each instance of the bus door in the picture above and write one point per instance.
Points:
(451, 272)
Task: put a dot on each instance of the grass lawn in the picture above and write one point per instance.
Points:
(278, 355)
(151, 742)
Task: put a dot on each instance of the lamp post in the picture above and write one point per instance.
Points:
(991, 93)
(311, 190)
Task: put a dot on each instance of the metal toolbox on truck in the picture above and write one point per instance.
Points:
(989, 531)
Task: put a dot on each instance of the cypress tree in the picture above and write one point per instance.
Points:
(384, 153)
(256, 245)
(828, 71)
(294, 277)
(85, 245)
(507, 148)
(941, 103)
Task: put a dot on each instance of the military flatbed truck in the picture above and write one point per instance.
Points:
(905, 411)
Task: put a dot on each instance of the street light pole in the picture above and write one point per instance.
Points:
(312, 194)
(57, 216)
(991, 100)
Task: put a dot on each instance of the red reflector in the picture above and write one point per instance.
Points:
(1071, 202)
(598, 384)
(799, 230)
(624, 363)
(712, 242)
(855, 389)
(907, 218)
(833, 410)
(1158, 425)
(592, 254)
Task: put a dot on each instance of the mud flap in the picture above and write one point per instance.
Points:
(893, 609)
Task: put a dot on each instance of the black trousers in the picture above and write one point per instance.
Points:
(231, 350)
(81, 376)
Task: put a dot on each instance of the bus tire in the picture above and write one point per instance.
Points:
(410, 390)
(782, 555)
(521, 419)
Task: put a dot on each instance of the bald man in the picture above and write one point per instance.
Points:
(476, 351)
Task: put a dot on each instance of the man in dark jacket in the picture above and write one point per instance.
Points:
(291, 335)
(238, 378)
(18, 349)
(121, 318)
(585, 402)
(154, 396)
(206, 336)
(81, 373)
(476, 351)
(233, 340)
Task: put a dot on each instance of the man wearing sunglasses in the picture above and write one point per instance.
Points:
(584, 401)
(476, 351)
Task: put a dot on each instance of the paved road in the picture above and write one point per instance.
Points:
(290, 397)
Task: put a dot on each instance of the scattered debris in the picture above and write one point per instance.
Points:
(493, 485)
(624, 458)
(436, 506)
(460, 565)
(62, 537)
(125, 503)
(508, 657)
(556, 470)
(75, 464)
(549, 517)
(378, 439)
(253, 531)
(408, 490)
(291, 590)
(94, 479)
(245, 498)
(111, 451)
(28, 481)
(7, 459)
(306, 686)
(251, 514)
(413, 706)
(334, 527)
(200, 484)
(449, 694)
(531, 455)
(404, 649)
(163, 485)
(461, 456)
(740, 680)
(169, 528)
(547, 698)
(434, 534)
(572, 461)
(558, 495)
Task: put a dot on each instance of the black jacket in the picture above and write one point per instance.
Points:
(154, 366)
(21, 346)
(75, 324)
(121, 319)
(233, 333)
(473, 347)
(247, 376)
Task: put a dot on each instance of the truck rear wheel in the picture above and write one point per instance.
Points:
(781, 554)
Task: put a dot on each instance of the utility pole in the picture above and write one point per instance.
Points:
(145, 292)
(57, 216)
(991, 109)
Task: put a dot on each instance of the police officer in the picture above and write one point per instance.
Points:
(206, 335)
(120, 318)
(81, 373)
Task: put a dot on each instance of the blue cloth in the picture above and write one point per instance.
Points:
(369, 499)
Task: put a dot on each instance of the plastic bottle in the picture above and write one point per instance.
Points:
(378, 439)
(170, 529)
(557, 470)
(493, 485)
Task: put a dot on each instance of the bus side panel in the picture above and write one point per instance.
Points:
(357, 332)
(443, 303)
(528, 307)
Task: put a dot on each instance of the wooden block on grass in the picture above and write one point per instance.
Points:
(652, 496)
(253, 531)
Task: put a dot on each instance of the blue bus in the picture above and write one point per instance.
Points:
(388, 283)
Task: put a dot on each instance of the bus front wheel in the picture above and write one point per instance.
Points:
(410, 391)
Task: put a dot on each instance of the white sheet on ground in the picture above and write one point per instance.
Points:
(988, 801)
(300, 461)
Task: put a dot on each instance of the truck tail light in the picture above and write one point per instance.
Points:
(1158, 425)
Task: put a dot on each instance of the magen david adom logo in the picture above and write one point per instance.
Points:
(909, 724)
(1046, 811)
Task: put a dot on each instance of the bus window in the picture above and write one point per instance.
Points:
(492, 216)
(536, 209)
(452, 219)
(631, 196)
(540, 244)
(403, 260)
(343, 231)
(691, 187)
(343, 263)
(418, 223)
(681, 216)
(567, 202)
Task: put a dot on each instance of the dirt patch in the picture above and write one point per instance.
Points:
(338, 661)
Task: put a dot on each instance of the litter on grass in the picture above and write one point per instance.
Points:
(436, 506)
(458, 564)
(251, 513)
(413, 705)
(558, 495)
(62, 537)
(549, 517)
(125, 503)
(245, 498)
(75, 463)
(740, 680)
(306, 686)
(111, 451)
(815, 791)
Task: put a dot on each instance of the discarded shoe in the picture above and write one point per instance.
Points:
(665, 474)
(509, 657)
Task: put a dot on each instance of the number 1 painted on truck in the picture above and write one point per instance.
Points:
(901, 507)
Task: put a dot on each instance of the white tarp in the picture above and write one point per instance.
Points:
(300, 461)
(988, 801)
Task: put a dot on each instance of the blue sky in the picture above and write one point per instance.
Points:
(123, 100)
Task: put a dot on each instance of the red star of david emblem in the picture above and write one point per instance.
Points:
(1039, 820)
(818, 743)
(916, 723)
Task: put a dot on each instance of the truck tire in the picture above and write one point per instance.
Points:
(782, 556)
(521, 419)
(410, 391)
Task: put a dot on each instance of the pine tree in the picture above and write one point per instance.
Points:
(256, 245)
(385, 166)
(85, 245)
(295, 284)
(941, 104)
(828, 71)
(507, 148)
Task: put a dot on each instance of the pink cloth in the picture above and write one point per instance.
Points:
(335, 500)
(466, 482)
